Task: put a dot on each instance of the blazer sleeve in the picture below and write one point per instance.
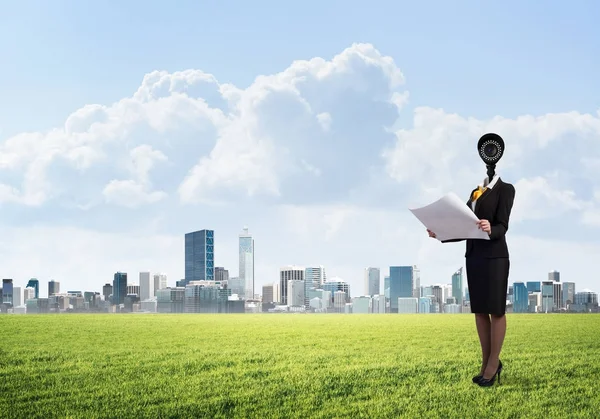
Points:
(505, 204)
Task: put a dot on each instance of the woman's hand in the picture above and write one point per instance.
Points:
(431, 234)
(485, 226)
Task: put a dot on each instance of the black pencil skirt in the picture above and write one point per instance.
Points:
(487, 280)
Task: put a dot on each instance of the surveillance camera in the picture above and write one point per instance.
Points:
(491, 148)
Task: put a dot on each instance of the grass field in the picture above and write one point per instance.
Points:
(293, 366)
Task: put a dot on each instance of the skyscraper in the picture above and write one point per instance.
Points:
(107, 291)
(199, 256)
(119, 288)
(53, 288)
(288, 273)
(7, 292)
(267, 293)
(314, 277)
(401, 285)
(521, 298)
(386, 286)
(372, 281)
(246, 248)
(458, 286)
(17, 297)
(548, 296)
(160, 282)
(416, 282)
(534, 286)
(568, 293)
(35, 284)
(146, 289)
(221, 274)
(554, 276)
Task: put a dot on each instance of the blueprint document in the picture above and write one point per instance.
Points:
(450, 218)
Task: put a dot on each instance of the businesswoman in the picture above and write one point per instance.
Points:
(487, 263)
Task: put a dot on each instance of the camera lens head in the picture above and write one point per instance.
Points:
(491, 148)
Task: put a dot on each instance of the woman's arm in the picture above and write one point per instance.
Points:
(505, 204)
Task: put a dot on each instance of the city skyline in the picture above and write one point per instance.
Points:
(207, 288)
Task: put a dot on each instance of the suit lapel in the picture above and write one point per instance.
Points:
(486, 194)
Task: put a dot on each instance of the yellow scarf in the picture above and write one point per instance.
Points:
(477, 193)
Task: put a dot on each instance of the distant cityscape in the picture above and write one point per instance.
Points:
(207, 288)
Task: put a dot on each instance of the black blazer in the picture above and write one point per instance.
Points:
(495, 206)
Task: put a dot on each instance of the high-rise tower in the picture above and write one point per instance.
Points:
(246, 273)
(199, 256)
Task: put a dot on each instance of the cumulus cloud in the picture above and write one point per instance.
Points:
(315, 156)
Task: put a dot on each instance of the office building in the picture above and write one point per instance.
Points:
(160, 282)
(521, 298)
(7, 292)
(416, 282)
(236, 285)
(458, 286)
(28, 294)
(568, 293)
(534, 286)
(107, 291)
(288, 273)
(362, 305)
(133, 289)
(372, 281)
(35, 284)
(170, 300)
(535, 301)
(379, 304)
(386, 286)
(408, 305)
(335, 284)
(53, 288)
(17, 297)
(554, 276)
(267, 294)
(206, 298)
(586, 301)
(548, 296)
(558, 299)
(401, 285)
(119, 288)
(425, 305)
(246, 261)
(314, 277)
(339, 301)
(295, 292)
(276, 292)
(199, 256)
(146, 288)
(221, 274)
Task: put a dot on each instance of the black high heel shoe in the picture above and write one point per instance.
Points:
(477, 378)
(488, 382)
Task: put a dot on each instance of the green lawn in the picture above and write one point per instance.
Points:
(293, 366)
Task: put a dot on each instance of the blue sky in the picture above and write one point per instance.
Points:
(478, 60)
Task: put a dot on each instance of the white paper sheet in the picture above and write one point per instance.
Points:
(450, 218)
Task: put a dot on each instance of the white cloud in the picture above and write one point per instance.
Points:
(314, 158)
(538, 200)
(324, 119)
(131, 194)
